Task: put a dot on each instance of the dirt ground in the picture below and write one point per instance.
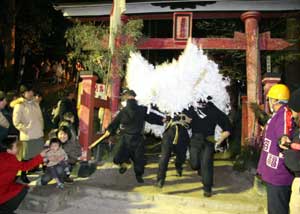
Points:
(106, 191)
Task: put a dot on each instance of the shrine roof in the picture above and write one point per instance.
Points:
(77, 8)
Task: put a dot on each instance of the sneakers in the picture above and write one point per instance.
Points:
(207, 194)
(160, 183)
(60, 186)
(179, 172)
(67, 171)
(122, 170)
(139, 179)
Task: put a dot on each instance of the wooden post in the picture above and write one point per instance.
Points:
(116, 67)
(244, 134)
(86, 112)
(113, 90)
(116, 83)
(251, 20)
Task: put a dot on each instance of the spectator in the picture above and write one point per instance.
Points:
(72, 147)
(46, 116)
(28, 119)
(68, 120)
(4, 123)
(45, 69)
(36, 72)
(67, 104)
(7, 112)
(12, 193)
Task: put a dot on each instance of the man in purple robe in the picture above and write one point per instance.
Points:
(271, 165)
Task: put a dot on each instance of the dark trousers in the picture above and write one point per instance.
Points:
(132, 148)
(10, 206)
(278, 199)
(59, 173)
(201, 158)
(55, 171)
(167, 147)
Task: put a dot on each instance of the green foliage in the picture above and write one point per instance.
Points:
(279, 58)
(232, 63)
(133, 30)
(31, 28)
(88, 45)
(248, 158)
(218, 27)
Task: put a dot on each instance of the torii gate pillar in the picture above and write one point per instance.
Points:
(251, 20)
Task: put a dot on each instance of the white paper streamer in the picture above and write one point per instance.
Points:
(175, 86)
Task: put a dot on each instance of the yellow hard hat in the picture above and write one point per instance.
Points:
(279, 92)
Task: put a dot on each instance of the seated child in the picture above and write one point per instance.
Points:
(56, 159)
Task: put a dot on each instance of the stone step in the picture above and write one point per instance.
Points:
(91, 199)
(181, 202)
(47, 198)
(111, 192)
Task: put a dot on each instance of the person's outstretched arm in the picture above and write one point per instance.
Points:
(25, 166)
(28, 165)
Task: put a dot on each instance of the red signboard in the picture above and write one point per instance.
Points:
(182, 25)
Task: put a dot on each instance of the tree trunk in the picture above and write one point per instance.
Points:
(9, 37)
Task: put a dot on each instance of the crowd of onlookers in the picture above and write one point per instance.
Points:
(25, 147)
(57, 71)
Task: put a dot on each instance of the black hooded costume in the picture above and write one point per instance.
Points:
(131, 121)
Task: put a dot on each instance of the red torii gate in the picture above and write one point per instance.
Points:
(250, 41)
(238, 42)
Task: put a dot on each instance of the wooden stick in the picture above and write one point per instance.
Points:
(105, 135)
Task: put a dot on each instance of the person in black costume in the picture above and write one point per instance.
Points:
(205, 118)
(175, 139)
(131, 120)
